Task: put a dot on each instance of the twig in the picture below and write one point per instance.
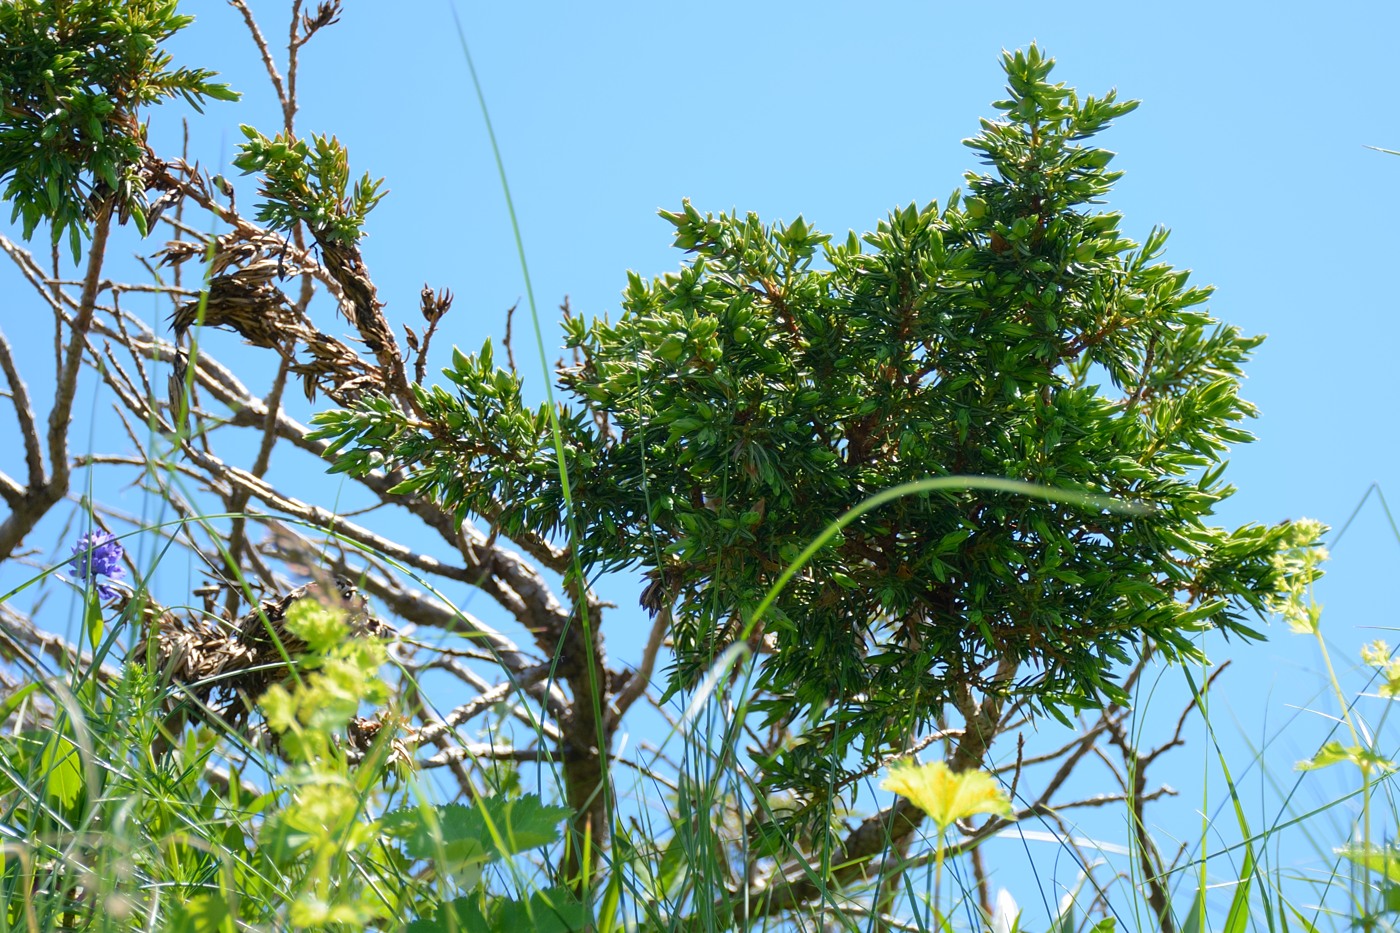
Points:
(480, 704)
(510, 348)
(549, 695)
(238, 501)
(268, 63)
(638, 680)
(289, 110)
(24, 412)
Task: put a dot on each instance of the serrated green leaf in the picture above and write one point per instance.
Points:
(489, 828)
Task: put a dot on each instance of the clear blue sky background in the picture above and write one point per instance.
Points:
(1250, 145)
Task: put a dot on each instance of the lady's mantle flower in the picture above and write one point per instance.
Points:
(947, 796)
(98, 554)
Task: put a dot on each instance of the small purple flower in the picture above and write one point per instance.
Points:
(98, 554)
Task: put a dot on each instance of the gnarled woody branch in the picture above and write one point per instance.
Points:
(871, 849)
(887, 830)
(359, 301)
(248, 410)
(506, 576)
(503, 575)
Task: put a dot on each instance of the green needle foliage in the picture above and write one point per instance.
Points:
(308, 182)
(778, 379)
(72, 78)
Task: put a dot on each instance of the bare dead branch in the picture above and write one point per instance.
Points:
(483, 750)
(480, 704)
(28, 428)
(238, 501)
(509, 342)
(549, 695)
(289, 112)
(10, 490)
(21, 640)
(634, 687)
(266, 53)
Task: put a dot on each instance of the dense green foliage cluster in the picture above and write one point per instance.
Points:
(739, 406)
(308, 182)
(72, 78)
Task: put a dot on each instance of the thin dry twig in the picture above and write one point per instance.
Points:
(283, 98)
(638, 680)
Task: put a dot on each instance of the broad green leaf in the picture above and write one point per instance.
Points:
(480, 832)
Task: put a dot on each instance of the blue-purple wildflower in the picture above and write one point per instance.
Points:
(98, 554)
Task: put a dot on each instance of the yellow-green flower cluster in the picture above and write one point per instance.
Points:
(1296, 568)
(1377, 655)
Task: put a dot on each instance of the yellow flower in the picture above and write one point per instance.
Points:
(945, 796)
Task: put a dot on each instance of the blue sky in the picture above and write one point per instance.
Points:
(1250, 145)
